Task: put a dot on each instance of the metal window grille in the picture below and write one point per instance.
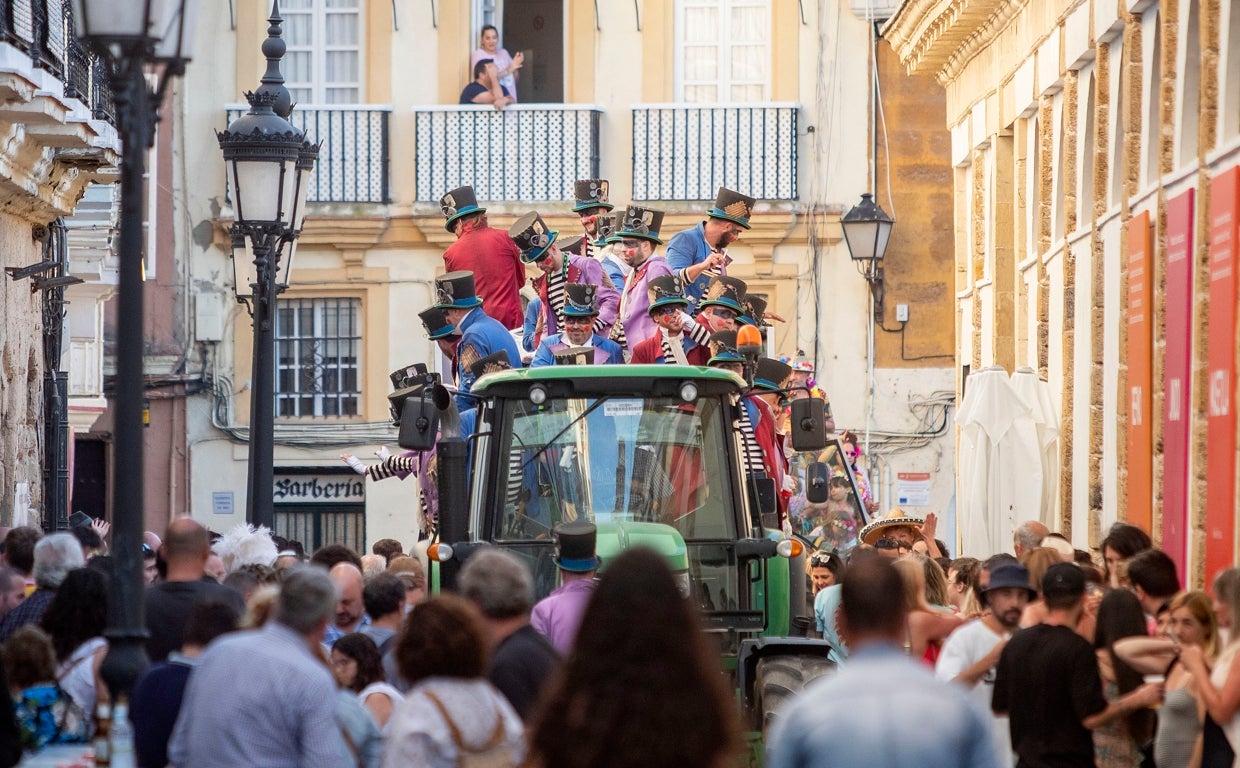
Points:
(317, 344)
(525, 152)
(688, 151)
(315, 528)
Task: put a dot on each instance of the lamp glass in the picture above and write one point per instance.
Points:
(107, 20)
(174, 26)
(862, 238)
(284, 268)
(245, 274)
(263, 189)
(302, 187)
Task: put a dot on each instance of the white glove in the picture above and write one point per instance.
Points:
(383, 453)
(354, 463)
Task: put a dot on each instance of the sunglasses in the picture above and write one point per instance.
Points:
(824, 560)
(630, 245)
(572, 320)
(667, 310)
(723, 314)
(891, 544)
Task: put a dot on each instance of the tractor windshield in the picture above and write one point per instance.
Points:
(615, 459)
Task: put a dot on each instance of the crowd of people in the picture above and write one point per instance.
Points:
(1045, 656)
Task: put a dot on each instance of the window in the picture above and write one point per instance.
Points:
(324, 60)
(723, 50)
(317, 343)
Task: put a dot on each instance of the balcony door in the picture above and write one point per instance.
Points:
(723, 51)
(536, 28)
(324, 61)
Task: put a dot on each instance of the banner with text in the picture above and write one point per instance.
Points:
(1221, 356)
(1177, 377)
(319, 489)
(1140, 510)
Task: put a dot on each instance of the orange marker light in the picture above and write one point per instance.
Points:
(748, 336)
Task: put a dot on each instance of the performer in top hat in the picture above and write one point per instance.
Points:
(580, 311)
(639, 236)
(590, 202)
(769, 379)
(480, 335)
(699, 253)
(440, 331)
(537, 244)
(558, 615)
(487, 252)
(725, 354)
(605, 247)
(671, 344)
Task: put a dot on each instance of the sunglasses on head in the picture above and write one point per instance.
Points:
(891, 544)
(824, 560)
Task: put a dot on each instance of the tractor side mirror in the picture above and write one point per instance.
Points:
(808, 424)
(817, 482)
(419, 423)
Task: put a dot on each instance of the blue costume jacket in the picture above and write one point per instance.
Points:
(687, 248)
(606, 351)
(481, 335)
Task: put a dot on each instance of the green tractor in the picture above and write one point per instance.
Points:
(652, 456)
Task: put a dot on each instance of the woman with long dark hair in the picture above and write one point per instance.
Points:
(642, 688)
(1118, 744)
(358, 666)
(75, 619)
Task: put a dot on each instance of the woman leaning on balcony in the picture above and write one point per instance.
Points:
(506, 64)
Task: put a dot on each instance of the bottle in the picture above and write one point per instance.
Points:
(102, 740)
(122, 737)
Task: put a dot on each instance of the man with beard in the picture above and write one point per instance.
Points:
(589, 203)
(699, 253)
(638, 230)
(970, 653)
(580, 313)
(538, 246)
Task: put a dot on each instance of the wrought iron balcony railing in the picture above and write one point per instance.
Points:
(353, 163)
(688, 151)
(527, 152)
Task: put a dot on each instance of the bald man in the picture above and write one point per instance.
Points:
(185, 549)
(350, 611)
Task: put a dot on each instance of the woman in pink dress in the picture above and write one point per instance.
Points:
(505, 64)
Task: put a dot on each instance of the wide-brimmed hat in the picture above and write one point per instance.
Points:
(755, 311)
(590, 193)
(575, 245)
(435, 321)
(641, 223)
(732, 206)
(532, 236)
(664, 291)
(580, 300)
(723, 348)
(724, 291)
(771, 374)
(492, 363)
(457, 203)
(1010, 575)
(893, 519)
(574, 547)
(455, 290)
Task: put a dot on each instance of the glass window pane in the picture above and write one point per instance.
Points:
(701, 63)
(342, 66)
(341, 29)
(342, 96)
(298, 29)
(701, 25)
(701, 94)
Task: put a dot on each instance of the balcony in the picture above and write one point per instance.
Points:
(688, 151)
(527, 152)
(353, 162)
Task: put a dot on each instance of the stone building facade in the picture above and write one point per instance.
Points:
(1095, 145)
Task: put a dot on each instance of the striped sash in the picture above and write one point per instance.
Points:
(752, 451)
(673, 350)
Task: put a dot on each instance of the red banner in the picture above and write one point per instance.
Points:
(1177, 377)
(1221, 354)
(1140, 372)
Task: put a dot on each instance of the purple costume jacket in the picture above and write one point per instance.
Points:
(587, 271)
(635, 301)
(557, 616)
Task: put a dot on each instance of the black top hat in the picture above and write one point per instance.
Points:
(580, 300)
(532, 236)
(723, 348)
(605, 225)
(732, 206)
(492, 363)
(435, 321)
(457, 203)
(590, 193)
(755, 309)
(574, 356)
(455, 290)
(725, 291)
(666, 290)
(771, 373)
(574, 245)
(643, 223)
(574, 547)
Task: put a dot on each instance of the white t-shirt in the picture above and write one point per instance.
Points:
(964, 648)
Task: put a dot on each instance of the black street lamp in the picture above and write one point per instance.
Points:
(133, 37)
(269, 163)
(867, 228)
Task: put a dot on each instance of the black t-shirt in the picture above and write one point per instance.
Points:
(168, 605)
(475, 89)
(521, 666)
(1047, 682)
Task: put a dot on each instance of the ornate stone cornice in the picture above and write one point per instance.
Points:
(942, 36)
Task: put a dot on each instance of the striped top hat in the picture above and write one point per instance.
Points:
(666, 290)
(724, 291)
(455, 290)
(732, 206)
(771, 374)
(532, 236)
(457, 203)
(435, 321)
(590, 193)
(580, 300)
(723, 348)
(642, 223)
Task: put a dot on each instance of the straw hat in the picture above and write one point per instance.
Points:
(895, 518)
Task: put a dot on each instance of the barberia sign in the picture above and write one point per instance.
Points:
(319, 489)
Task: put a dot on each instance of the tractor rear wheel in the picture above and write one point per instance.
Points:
(779, 678)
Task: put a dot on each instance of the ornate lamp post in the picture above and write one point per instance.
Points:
(269, 164)
(133, 37)
(867, 228)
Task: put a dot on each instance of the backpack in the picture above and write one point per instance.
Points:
(494, 754)
(47, 715)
